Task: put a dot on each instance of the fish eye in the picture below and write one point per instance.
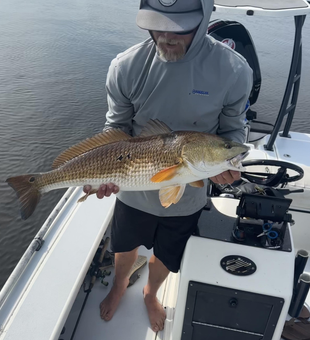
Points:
(227, 146)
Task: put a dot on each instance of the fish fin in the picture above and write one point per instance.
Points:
(154, 127)
(27, 192)
(103, 138)
(197, 184)
(84, 198)
(171, 195)
(166, 174)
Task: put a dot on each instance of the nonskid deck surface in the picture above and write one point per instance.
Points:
(130, 320)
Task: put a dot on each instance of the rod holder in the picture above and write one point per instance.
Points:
(300, 295)
(300, 264)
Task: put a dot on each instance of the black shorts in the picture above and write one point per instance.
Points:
(132, 228)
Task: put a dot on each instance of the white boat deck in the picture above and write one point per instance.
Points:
(66, 275)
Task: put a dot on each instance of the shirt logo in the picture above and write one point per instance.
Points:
(167, 3)
(200, 93)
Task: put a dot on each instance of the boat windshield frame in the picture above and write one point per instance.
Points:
(299, 10)
(290, 97)
(263, 7)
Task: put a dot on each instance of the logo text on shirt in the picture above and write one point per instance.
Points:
(200, 93)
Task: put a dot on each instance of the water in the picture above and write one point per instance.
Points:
(54, 56)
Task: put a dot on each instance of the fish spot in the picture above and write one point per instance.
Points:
(32, 179)
(227, 146)
(121, 157)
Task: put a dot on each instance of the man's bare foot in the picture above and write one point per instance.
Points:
(109, 305)
(156, 312)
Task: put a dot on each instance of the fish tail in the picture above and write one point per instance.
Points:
(27, 191)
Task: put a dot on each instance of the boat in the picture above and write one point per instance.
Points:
(244, 274)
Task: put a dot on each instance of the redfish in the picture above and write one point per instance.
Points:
(157, 159)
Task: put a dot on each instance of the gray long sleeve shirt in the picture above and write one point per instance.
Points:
(205, 91)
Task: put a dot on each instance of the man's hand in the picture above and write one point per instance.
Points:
(226, 177)
(105, 190)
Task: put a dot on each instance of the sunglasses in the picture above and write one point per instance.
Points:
(182, 33)
(186, 32)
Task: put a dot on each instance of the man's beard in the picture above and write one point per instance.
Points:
(167, 54)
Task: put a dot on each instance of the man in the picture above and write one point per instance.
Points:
(190, 82)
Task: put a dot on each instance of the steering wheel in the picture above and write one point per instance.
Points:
(265, 178)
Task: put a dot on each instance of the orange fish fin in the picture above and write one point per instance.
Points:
(103, 138)
(171, 195)
(154, 127)
(197, 184)
(166, 174)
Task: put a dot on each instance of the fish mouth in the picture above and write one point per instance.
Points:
(235, 162)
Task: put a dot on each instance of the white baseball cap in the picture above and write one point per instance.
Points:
(169, 15)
